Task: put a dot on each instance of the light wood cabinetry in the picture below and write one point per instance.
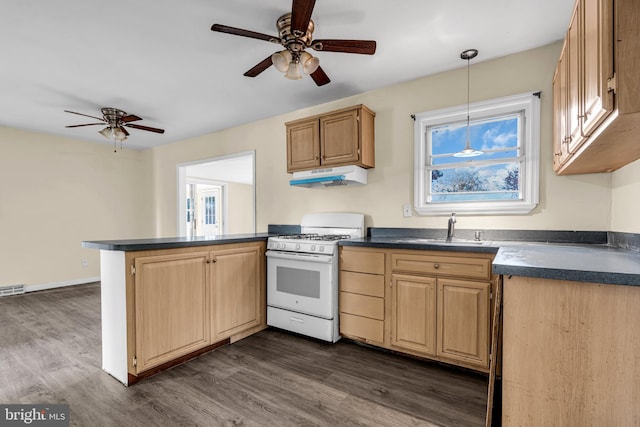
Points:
(339, 138)
(182, 301)
(570, 353)
(436, 304)
(463, 321)
(172, 307)
(596, 90)
(362, 291)
(413, 313)
(236, 290)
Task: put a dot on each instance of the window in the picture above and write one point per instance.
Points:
(503, 179)
(210, 210)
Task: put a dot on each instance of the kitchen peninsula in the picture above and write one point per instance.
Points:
(570, 345)
(167, 300)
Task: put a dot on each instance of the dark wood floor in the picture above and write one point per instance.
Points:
(50, 353)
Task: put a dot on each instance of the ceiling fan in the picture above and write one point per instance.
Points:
(295, 32)
(116, 121)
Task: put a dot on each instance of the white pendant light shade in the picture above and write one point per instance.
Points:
(293, 73)
(281, 60)
(106, 132)
(468, 55)
(119, 135)
(309, 63)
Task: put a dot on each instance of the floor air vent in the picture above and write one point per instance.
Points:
(5, 291)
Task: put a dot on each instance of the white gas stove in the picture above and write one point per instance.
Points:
(302, 274)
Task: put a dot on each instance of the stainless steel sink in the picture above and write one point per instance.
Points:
(453, 242)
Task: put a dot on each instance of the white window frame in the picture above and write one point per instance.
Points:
(529, 176)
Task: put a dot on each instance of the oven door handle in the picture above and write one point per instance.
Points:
(325, 259)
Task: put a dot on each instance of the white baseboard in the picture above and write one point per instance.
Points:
(53, 285)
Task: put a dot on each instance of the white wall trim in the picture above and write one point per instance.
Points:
(53, 285)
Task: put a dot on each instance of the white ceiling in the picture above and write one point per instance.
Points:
(159, 59)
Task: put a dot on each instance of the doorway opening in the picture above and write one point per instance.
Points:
(217, 196)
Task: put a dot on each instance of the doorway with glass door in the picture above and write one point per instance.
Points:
(204, 209)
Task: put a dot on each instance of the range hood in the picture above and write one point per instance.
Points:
(328, 177)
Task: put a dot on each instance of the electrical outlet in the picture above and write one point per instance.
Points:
(85, 262)
(406, 210)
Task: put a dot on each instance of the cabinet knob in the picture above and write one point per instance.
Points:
(214, 260)
(436, 266)
(208, 261)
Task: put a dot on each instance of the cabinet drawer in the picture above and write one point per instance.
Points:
(362, 327)
(362, 305)
(361, 283)
(478, 268)
(363, 262)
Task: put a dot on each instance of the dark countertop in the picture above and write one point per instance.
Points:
(598, 263)
(172, 242)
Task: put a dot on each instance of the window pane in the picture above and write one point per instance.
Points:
(497, 138)
(490, 182)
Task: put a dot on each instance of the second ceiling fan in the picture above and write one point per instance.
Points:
(295, 34)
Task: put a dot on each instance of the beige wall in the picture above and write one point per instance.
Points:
(625, 195)
(565, 202)
(240, 208)
(56, 192)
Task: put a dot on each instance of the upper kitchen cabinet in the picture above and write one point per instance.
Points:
(596, 89)
(339, 138)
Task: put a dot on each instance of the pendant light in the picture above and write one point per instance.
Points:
(468, 55)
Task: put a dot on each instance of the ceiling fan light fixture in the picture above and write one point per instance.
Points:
(106, 132)
(309, 63)
(281, 60)
(119, 135)
(293, 73)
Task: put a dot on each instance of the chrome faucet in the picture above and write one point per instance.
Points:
(451, 227)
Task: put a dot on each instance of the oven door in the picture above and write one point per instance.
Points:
(304, 283)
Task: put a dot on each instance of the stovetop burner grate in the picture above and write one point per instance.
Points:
(314, 236)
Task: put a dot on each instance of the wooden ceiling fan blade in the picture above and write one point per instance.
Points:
(364, 47)
(124, 130)
(259, 67)
(320, 77)
(147, 128)
(301, 11)
(130, 118)
(244, 33)
(86, 115)
(87, 124)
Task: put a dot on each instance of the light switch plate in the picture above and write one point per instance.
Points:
(406, 210)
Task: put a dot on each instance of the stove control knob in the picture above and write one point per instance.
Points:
(321, 248)
(283, 245)
(313, 247)
(298, 246)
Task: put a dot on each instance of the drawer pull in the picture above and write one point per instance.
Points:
(436, 266)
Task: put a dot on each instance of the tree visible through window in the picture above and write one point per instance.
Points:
(502, 179)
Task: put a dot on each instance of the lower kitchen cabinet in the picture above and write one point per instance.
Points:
(463, 321)
(172, 307)
(162, 307)
(236, 290)
(362, 292)
(436, 305)
(413, 313)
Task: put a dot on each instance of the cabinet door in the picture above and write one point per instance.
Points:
(560, 111)
(171, 307)
(236, 290)
(463, 321)
(339, 138)
(574, 77)
(303, 145)
(413, 313)
(597, 54)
